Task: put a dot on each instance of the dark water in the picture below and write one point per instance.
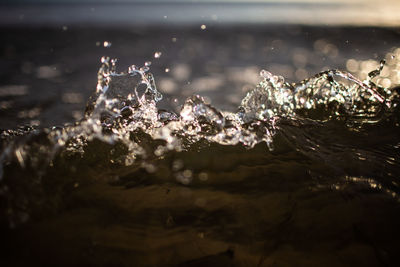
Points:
(278, 173)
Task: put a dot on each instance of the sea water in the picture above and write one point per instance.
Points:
(301, 174)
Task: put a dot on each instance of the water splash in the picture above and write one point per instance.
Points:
(126, 102)
(123, 111)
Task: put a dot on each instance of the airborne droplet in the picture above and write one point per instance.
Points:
(107, 44)
(157, 54)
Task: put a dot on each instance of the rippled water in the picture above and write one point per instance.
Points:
(302, 174)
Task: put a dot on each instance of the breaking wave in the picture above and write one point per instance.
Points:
(329, 117)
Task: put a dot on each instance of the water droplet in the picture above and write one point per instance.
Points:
(147, 63)
(105, 59)
(166, 69)
(266, 74)
(132, 69)
(203, 27)
(174, 39)
(157, 54)
(107, 44)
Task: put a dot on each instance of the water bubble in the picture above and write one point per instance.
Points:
(157, 54)
(278, 81)
(161, 150)
(266, 74)
(352, 65)
(150, 168)
(187, 173)
(177, 165)
(203, 176)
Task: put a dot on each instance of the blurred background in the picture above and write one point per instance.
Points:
(50, 50)
(191, 12)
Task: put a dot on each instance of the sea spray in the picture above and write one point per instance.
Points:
(124, 127)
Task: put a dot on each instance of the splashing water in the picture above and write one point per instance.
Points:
(118, 109)
(123, 114)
